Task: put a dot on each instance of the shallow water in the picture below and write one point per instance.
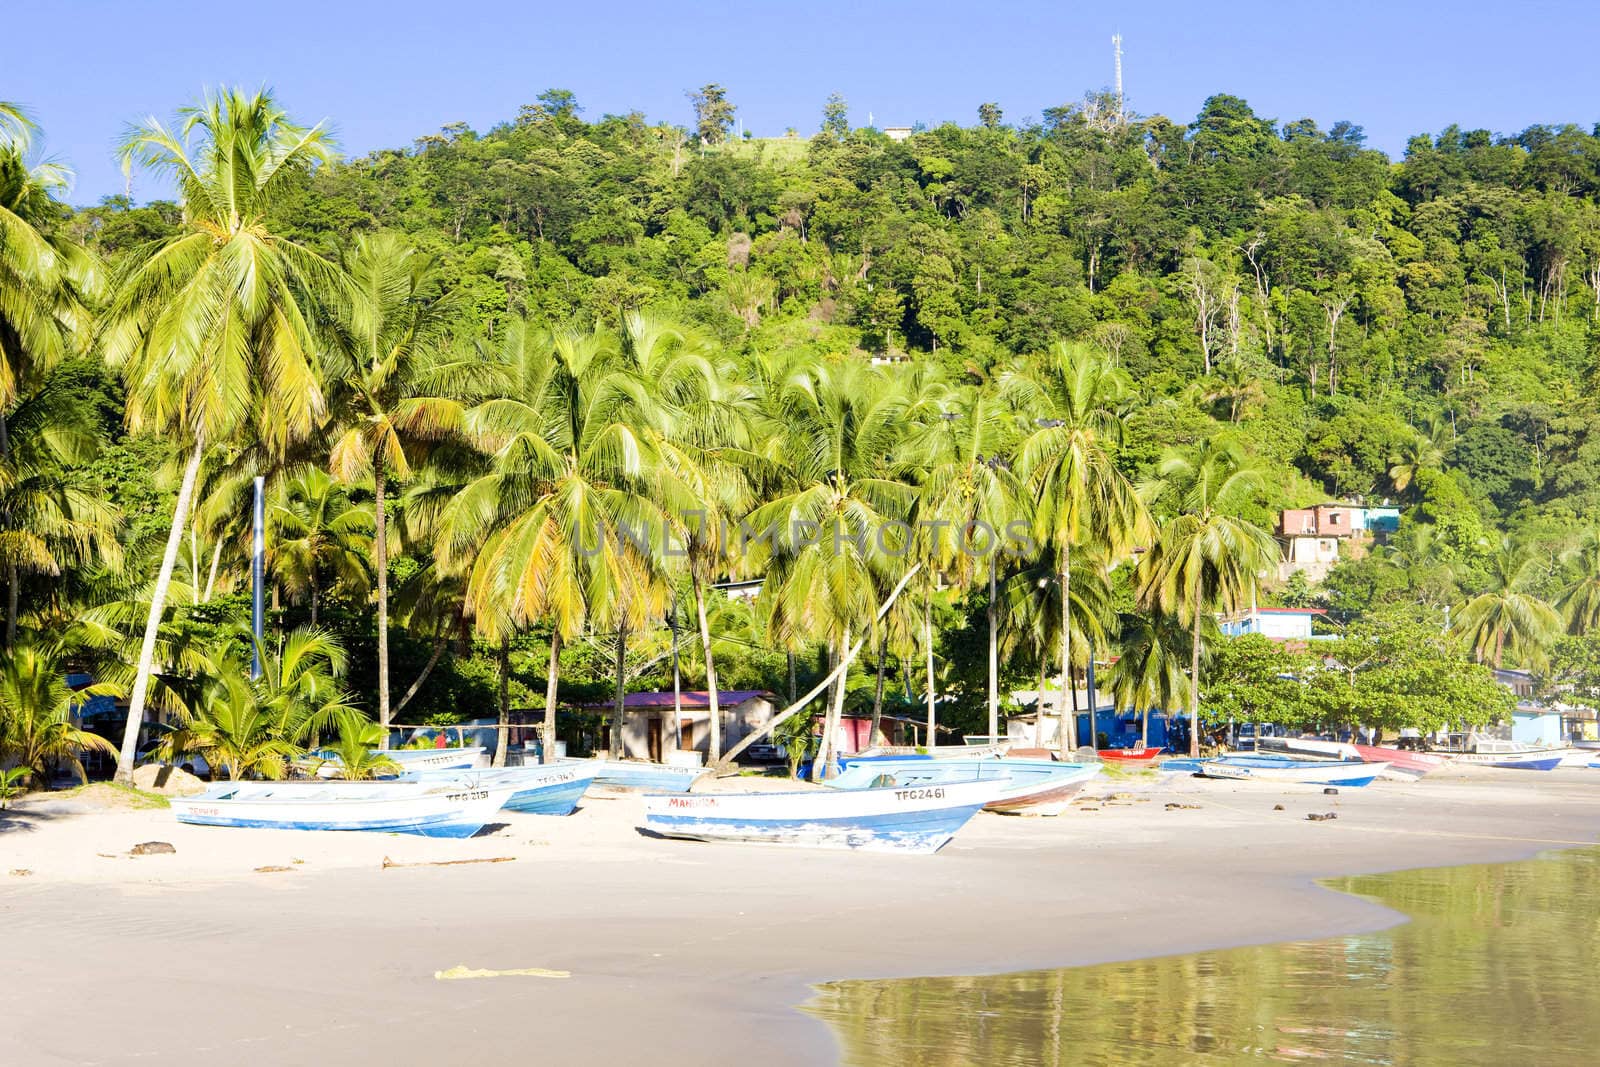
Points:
(1499, 965)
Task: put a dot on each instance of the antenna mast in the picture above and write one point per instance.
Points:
(1116, 46)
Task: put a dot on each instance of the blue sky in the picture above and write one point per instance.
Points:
(386, 73)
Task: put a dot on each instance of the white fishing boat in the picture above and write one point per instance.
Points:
(1038, 786)
(414, 759)
(916, 819)
(1510, 755)
(1281, 769)
(642, 774)
(547, 789)
(447, 810)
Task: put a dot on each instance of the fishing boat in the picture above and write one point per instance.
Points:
(642, 774)
(549, 789)
(1511, 755)
(1038, 787)
(915, 819)
(1349, 773)
(385, 807)
(1402, 762)
(413, 759)
(1128, 755)
(1399, 763)
(1182, 765)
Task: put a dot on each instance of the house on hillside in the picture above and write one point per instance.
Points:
(1279, 624)
(1315, 539)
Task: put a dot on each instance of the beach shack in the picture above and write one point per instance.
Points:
(658, 723)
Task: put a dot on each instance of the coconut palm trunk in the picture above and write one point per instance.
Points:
(547, 732)
(927, 639)
(1068, 732)
(152, 626)
(1194, 688)
(876, 730)
(831, 745)
(619, 700)
(715, 752)
(380, 563)
(994, 657)
(502, 736)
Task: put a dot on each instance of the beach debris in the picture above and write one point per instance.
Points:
(1277, 807)
(20, 872)
(1314, 817)
(152, 848)
(1330, 791)
(461, 970)
(269, 869)
(1088, 809)
(387, 862)
(1174, 806)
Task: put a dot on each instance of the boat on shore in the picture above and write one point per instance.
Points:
(1399, 763)
(912, 819)
(1038, 787)
(1128, 755)
(415, 759)
(1352, 774)
(642, 774)
(382, 807)
(1510, 755)
(548, 789)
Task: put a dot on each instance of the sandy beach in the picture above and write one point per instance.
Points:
(269, 947)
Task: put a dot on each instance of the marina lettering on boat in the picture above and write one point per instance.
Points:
(479, 795)
(919, 794)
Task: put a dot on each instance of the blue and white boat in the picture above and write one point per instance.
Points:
(414, 759)
(915, 819)
(1512, 755)
(1282, 769)
(1038, 786)
(548, 789)
(641, 774)
(386, 807)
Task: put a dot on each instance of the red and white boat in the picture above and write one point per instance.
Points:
(1403, 762)
(1128, 755)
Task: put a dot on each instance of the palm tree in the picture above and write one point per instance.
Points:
(45, 284)
(702, 438)
(256, 727)
(1033, 614)
(48, 520)
(551, 531)
(359, 753)
(318, 531)
(1422, 453)
(1080, 497)
(972, 492)
(1207, 559)
(1579, 599)
(391, 389)
(212, 327)
(1152, 653)
(36, 728)
(831, 537)
(1506, 617)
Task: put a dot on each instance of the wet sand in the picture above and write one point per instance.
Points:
(678, 952)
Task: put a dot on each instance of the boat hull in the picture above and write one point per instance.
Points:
(1512, 761)
(918, 820)
(421, 759)
(1349, 774)
(1403, 763)
(551, 789)
(1128, 755)
(1038, 787)
(419, 810)
(638, 774)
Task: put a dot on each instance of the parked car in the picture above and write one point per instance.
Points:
(765, 753)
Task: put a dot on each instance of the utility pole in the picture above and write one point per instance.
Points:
(1116, 46)
(258, 583)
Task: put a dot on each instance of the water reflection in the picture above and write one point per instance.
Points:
(1499, 965)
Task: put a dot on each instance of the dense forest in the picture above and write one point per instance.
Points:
(455, 360)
